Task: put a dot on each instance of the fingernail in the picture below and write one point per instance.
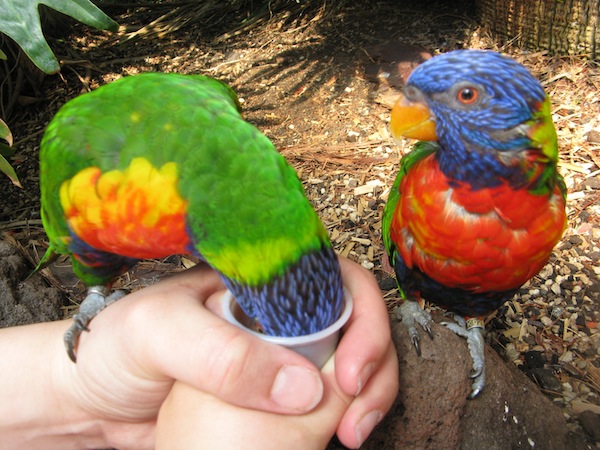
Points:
(297, 388)
(364, 376)
(366, 425)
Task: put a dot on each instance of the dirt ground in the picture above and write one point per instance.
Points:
(319, 80)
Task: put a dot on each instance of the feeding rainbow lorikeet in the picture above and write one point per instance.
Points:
(478, 204)
(158, 164)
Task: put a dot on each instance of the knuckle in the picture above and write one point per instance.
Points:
(230, 368)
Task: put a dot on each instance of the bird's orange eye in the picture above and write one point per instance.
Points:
(468, 95)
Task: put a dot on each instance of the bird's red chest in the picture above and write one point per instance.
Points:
(491, 239)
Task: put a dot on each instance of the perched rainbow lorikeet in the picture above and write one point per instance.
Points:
(159, 164)
(478, 204)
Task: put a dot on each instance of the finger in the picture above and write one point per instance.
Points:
(369, 408)
(188, 417)
(367, 336)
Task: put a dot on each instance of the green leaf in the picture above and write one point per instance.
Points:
(3, 56)
(5, 167)
(20, 20)
(5, 133)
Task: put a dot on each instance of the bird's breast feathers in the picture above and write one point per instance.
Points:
(135, 212)
(490, 239)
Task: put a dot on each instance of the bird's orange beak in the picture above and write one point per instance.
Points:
(412, 120)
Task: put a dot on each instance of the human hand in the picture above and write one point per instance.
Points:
(138, 346)
(358, 390)
(127, 365)
(194, 420)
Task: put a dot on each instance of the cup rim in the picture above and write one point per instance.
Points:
(228, 303)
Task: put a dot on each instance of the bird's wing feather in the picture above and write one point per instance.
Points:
(420, 151)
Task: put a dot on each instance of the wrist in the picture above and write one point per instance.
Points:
(39, 392)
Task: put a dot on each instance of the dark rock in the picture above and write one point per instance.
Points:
(545, 378)
(566, 245)
(593, 136)
(580, 321)
(348, 224)
(592, 287)
(592, 183)
(374, 204)
(575, 240)
(432, 411)
(590, 422)
(387, 283)
(433, 393)
(24, 300)
(534, 359)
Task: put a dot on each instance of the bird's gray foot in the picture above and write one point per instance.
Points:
(411, 313)
(96, 300)
(472, 331)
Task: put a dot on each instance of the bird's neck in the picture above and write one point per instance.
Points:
(306, 298)
(515, 161)
(477, 165)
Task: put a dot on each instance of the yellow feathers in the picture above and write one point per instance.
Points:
(137, 212)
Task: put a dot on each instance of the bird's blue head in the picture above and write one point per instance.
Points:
(481, 107)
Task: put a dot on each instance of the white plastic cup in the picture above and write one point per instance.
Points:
(317, 347)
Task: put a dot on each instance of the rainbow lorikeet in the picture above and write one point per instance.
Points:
(158, 164)
(478, 204)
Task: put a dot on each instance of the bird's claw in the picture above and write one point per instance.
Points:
(95, 301)
(71, 335)
(472, 331)
(415, 340)
(411, 313)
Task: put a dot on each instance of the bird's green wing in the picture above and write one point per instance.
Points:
(421, 150)
(248, 204)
